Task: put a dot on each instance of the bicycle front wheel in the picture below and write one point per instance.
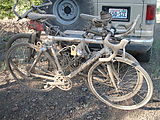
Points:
(19, 60)
(132, 87)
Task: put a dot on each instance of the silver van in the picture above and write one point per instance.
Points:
(123, 12)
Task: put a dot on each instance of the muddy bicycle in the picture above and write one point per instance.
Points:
(40, 24)
(37, 24)
(114, 79)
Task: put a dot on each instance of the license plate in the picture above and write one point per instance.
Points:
(118, 13)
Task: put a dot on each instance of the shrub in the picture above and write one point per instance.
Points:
(6, 7)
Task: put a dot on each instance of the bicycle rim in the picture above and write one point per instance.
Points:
(19, 60)
(134, 90)
(18, 38)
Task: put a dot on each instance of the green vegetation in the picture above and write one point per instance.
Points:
(158, 9)
(6, 7)
(155, 57)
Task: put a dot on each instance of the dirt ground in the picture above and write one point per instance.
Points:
(16, 103)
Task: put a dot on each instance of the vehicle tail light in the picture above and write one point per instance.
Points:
(150, 14)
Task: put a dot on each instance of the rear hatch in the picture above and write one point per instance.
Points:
(124, 12)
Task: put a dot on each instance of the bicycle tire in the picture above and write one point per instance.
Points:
(129, 102)
(20, 37)
(127, 56)
(18, 67)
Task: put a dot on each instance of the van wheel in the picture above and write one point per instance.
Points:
(67, 13)
(144, 57)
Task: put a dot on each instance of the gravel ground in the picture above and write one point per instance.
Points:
(17, 103)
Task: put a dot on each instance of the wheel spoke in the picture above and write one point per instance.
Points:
(134, 85)
(20, 62)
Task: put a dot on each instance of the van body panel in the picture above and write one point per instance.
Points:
(143, 33)
(122, 1)
(127, 1)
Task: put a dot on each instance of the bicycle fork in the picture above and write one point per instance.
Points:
(112, 75)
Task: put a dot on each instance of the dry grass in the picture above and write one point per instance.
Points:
(8, 27)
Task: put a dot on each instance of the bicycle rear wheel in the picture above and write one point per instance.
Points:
(18, 38)
(134, 85)
(19, 60)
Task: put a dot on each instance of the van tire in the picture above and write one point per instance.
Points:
(144, 57)
(67, 13)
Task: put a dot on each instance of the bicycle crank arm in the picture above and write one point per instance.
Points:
(57, 80)
(55, 83)
(43, 76)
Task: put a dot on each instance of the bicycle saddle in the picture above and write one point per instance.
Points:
(37, 16)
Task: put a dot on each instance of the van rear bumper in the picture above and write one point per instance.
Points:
(139, 45)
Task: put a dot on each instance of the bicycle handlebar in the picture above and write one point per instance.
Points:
(30, 10)
(123, 42)
(115, 47)
(14, 7)
(130, 28)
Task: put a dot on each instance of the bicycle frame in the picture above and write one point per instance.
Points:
(103, 51)
(72, 74)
